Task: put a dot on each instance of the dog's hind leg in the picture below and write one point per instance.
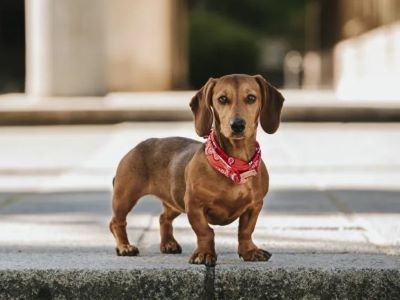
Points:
(122, 203)
(168, 243)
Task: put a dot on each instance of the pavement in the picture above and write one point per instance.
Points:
(331, 219)
(300, 106)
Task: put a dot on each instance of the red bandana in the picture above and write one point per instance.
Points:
(233, 168)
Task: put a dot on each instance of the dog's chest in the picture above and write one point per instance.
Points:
(228, 205)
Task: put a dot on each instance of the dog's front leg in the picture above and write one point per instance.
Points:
(247, 249)
(205, 252)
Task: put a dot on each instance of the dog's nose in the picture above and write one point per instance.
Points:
(238, 125)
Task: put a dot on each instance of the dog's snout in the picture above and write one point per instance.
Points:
(238, 125)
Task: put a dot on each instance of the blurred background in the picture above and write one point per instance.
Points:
(95, 47)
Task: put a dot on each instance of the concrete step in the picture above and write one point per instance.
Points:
(300, 105)
(63, 274)
(57, 246)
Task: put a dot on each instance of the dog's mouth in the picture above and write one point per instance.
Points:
(237, 136)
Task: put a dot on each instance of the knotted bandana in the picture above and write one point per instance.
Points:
(235, 169)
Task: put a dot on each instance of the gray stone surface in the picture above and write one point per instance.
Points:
(299, 156)
(57, 245)
(311, 277)
(102, 275)
(155, 283)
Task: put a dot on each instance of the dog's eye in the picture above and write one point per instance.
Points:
(251, 99)
(223, 100)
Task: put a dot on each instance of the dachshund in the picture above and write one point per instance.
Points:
(215, 182)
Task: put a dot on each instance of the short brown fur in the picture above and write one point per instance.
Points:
(177, 171)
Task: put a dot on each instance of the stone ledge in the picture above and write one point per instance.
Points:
(301, 275)
(311, 276)
(307, 283)
(101, 284)
(300, 106)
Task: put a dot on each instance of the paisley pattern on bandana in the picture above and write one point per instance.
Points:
(235, 169)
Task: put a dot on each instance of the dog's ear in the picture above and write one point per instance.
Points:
(271, 106)
(201, 108)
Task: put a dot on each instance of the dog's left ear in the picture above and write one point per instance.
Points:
(201, 108)
(271, 107)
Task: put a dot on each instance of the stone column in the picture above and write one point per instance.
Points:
(65, 48)
(146, 45)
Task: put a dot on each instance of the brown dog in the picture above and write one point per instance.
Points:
(177, 170)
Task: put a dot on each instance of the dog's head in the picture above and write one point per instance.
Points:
(236, 103)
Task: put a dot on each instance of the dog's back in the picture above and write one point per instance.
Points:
(157, 166)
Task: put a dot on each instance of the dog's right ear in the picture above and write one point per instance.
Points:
(272, 102)
(201, 108)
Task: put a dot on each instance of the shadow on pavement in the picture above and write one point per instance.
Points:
(309, 221)
(276, 202)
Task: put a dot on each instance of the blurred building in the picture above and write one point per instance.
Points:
(93, 47)
(353, 46)
(12, 46)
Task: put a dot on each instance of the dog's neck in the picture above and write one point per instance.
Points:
(243, 149)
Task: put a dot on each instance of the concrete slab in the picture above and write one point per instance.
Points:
(293, 276)
(298, 202)
(299, 156)
(378, 212)
(73, 219)
(291, 222)
(101, 274)
(98, 274)
(39, 151)
(58, 245)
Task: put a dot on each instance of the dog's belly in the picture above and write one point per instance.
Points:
(220, 219)
(225, 212)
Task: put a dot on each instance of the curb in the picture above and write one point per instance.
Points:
(99, 284)
(308, 283)
(212, 283)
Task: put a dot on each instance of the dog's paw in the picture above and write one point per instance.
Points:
(204, 258)
(255, 255)
(170, 247)
(127, 250)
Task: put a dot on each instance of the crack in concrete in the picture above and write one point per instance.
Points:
(209, 283)
(11, 200)
(350, 215)
(145, 230)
